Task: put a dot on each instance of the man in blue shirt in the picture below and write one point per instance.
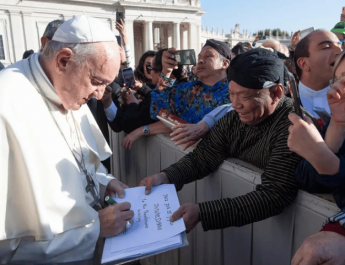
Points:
(192, 100)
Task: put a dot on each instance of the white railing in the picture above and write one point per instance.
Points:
(269, 242)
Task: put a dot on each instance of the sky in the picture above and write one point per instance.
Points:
(254, 15)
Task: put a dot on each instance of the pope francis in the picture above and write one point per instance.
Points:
(52, 182)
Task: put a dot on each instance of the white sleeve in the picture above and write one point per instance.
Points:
(73, 245)
(129, 57)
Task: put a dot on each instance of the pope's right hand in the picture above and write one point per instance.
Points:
(114, 219)
(154, 180)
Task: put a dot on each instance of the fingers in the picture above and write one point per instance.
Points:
(148, 182)
(120, 191)
(124, 185)
(307, 119)
(190, 143)
(178, 214)
(124, 206)
(176, 127)
(294, 118)
(127, 215)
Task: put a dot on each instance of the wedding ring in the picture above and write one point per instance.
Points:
(128, 225)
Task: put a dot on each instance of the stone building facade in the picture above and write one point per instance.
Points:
(151, 24)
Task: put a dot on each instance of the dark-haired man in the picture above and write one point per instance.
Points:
(255, 132)
(314, 58)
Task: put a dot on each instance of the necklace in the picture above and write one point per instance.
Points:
(90, 187)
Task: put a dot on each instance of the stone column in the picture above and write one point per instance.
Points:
(185, 38)
(177, 35)
(194, 42)
(29, 32)
(148, 35)
(17, 34)
(170, 36)
(130, 35)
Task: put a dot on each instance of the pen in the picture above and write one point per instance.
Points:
(111, 201)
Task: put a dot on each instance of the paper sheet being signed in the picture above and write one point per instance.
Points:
(151, 217)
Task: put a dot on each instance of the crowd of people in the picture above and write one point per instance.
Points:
(56, 105)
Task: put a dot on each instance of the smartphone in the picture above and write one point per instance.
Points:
(185, 57)
(295, 96)
(128, 77)
(119, 40)
(305, 32)
(262, 38)
(120, 16)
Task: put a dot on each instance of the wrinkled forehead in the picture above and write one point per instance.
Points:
(237, 89)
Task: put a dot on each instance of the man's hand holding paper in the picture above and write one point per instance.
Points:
(152, 229)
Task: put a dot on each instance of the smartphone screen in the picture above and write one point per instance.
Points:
(295, 96)
(185, 57)
(120, 16)
(128, 77)
(305, 32)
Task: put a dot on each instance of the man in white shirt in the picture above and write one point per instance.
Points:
(52, 181)
(314, 59)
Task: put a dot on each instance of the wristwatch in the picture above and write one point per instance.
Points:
(146, 130)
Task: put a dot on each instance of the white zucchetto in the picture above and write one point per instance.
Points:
(83, 29)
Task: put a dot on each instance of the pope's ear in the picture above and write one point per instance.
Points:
(63, 58)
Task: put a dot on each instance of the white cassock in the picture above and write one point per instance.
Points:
(45, 212)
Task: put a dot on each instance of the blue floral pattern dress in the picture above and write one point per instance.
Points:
(190, 101)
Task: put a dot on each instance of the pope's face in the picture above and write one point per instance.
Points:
(78, 84)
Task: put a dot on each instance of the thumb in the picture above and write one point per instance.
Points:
(294, 118)
(178, 214)
(120, 191)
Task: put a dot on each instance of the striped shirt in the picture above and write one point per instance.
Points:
(265, 146)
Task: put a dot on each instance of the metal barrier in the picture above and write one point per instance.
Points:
(269, 242)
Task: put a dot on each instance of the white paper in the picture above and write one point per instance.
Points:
(151, 217)
(141, 250)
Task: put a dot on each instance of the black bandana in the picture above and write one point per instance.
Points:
(256, 69)
(221, 47)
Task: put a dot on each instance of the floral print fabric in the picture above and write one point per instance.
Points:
(190, 101)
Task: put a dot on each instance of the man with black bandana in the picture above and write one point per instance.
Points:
(192, 100)
(255, 132)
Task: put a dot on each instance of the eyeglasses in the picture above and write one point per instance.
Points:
(334, 80)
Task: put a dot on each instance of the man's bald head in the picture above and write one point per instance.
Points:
(314, 57)
(274, 44)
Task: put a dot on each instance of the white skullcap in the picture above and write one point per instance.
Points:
(83, 29)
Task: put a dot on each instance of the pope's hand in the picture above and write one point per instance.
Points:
(304, 139)
(154, 180)
(321, 248)
(114, 219)
(189, 134)
(115, 187)
(336, 101)
(190, 214)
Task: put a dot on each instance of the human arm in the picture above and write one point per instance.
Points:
(295, 39)
(335, 134)
(154, 128)
(189, 134)
(121, 27)
(305, 140)
(321, 248)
